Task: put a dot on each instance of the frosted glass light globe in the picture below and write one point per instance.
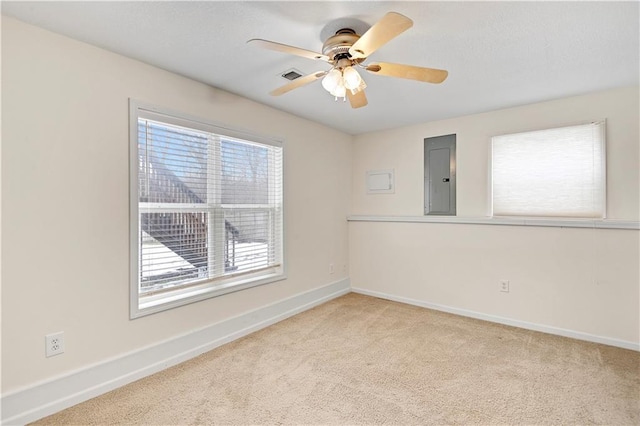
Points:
(332, 80)
(351, 78)
(340, 91)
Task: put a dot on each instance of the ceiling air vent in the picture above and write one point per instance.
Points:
(291, 74)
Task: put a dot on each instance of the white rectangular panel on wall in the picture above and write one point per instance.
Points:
(380, 182)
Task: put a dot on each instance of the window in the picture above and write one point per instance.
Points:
(206, 210)
(557, 172)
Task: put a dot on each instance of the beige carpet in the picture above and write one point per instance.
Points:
(362, 360)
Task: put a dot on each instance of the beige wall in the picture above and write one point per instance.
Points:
(583, 280)
(65, 201)
(401, 149)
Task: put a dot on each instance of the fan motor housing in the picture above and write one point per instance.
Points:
(337, 46)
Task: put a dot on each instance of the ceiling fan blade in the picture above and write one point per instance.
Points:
(428, 75)
(390, 26)
(279, 47)
(357, 100)
(298, 82)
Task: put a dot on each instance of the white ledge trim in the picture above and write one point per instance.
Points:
(557, 223)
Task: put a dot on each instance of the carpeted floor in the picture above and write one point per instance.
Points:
(363, 360)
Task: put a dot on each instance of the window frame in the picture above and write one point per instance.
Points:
(142, 305)
(558, 218)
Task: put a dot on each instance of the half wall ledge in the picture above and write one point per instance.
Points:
(555, 223)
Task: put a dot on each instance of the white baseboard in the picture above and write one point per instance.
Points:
(506, 321)
(43, 399)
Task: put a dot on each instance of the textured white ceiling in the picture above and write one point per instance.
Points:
(498, 54)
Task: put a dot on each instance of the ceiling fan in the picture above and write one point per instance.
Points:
(345, 51)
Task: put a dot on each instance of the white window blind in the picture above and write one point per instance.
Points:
(557, 172)
(209, 211)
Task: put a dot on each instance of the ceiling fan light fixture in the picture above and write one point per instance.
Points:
(351, 78)
(360, 87)
(340, 91)
(332, 80)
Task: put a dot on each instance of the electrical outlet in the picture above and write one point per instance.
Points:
(504, 286)
(54, 344)
(331, 268)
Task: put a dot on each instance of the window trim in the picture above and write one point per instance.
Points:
(199, 290)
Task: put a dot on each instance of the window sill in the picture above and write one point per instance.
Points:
(180, 297)
(556, 223)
